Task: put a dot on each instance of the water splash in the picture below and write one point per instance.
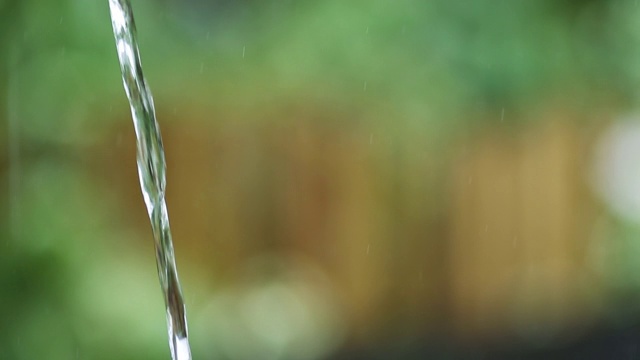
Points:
(151, 171)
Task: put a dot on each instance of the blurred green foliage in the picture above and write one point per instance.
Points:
(424, 60)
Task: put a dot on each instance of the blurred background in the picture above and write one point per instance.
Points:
(362, 179)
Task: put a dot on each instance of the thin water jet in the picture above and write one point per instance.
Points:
(151, 171)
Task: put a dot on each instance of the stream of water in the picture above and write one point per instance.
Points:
(151, 171)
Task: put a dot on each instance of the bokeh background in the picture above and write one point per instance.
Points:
(361, 179)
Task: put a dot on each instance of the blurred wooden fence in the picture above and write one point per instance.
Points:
(485, 236)
(520, 222)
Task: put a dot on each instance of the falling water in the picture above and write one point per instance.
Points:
(151, 171)
(14, 144)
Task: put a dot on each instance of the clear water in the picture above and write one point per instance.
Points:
(151, 170)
